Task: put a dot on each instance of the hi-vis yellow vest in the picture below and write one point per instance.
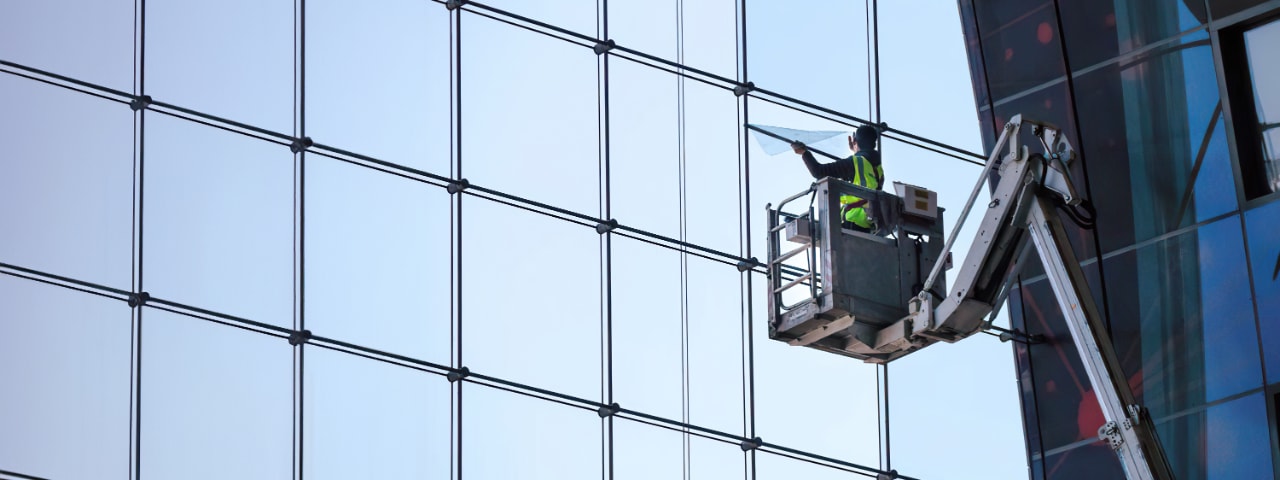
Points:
(864, 175)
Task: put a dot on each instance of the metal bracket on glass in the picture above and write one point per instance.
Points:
(601, 47)
(609, 410)
(752, 444)
(458, 186)
(606, 227)
(454, 4)
(744, 89)
(889, 475)
(140, 102)
(300, 144)
(138, 299)
(459, 374)
(299, 337)
(1110, 433)
(748, 264)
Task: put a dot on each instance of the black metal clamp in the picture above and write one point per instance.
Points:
(609, 410)
(743, 89)
(454, 4)
(748, 264)
(457, 186)
(606, 226)
(299, 337)
(752, 444)
(459, 374)
(601, 47)
(138, 299)
(300, 144)
(140, 102)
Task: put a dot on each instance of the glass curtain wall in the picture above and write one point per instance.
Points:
(418, 239)
(1137, 86)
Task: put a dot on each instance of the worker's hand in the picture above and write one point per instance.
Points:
(798, 147)
(852, 144)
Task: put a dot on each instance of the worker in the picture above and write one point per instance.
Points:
(863, 169)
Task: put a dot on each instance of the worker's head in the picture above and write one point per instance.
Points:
(866, 137)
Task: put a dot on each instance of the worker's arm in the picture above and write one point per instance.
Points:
(818, 170)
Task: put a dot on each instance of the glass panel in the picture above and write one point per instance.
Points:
(710, 33)
(1169, 110)
(368, 419)
(1061, 385)
(1264, 74)
(770, 466)
(644, 149)
(72, 201)
(650, 27)
(1021, 44)
(917, 381)
(716, 339)
(791, 381)
(515, 77)
(1196, 343)
(648, 335)
(378, 260)
(1223, 8)
(233, 59)
(507, 435)
(1263, 225)
(643, 451)
(1094, 460)
(575, 15)
(531, 308)
(713, 197)
(925, 84)
(1226, 441)
(1099, 31)
(38, 35)
(394, 105)
(219, 400)
(817, 57)
(219, 221)
(67, 358)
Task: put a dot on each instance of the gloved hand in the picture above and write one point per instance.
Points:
(798, 147)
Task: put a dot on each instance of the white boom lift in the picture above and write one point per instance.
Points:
(866, 295)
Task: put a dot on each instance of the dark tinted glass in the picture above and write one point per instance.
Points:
(1196, 344)
(1021, 45)
(1223, 8)
(1097, 31)
(1163, 105)
(1235, 433)
(1094, 460)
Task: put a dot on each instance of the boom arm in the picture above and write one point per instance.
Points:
(1022, 206)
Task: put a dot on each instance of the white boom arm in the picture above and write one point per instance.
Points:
(1024, 204)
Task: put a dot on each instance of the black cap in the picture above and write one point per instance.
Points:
(866, 137)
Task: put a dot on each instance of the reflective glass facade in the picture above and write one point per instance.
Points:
(1168, 104)
(343, 239)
